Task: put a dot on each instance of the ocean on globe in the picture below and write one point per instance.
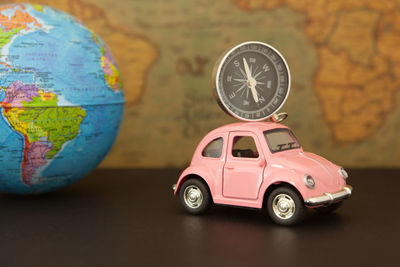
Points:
(61, 99)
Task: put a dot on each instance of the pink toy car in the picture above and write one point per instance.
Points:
(260, 165)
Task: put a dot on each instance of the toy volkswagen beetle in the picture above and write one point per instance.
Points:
(260, 165)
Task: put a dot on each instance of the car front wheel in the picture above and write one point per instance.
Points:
(285, 206)
(195, 196)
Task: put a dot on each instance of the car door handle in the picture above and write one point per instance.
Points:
(229, 167)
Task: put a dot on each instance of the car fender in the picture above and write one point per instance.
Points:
(288, 177)
(195, 172)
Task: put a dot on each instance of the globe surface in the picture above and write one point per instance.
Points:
(61, 99)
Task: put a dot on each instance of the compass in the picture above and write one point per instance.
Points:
(252, 81)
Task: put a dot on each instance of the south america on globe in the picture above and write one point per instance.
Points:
(61, 99)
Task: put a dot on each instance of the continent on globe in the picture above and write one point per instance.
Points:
(44, 126)
(111, 73)
(19, 23)
(359, 63)
(135, 53)
(61, 99)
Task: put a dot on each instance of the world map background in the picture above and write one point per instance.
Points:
(343, 56)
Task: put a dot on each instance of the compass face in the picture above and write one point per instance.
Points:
(252, 81)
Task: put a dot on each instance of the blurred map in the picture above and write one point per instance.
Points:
(343, 56)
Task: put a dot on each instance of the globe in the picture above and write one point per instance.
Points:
(61, 99)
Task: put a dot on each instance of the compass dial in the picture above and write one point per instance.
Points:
(252, 81)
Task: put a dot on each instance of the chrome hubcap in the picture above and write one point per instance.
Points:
(193, 196)
(283, 206)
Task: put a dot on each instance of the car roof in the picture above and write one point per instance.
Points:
(248, 126)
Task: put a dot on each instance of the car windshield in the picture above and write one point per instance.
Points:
(280, 140)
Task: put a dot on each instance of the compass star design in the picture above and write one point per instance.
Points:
(248, 81)
(252, 81)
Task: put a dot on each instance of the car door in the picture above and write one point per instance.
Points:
(244, 166)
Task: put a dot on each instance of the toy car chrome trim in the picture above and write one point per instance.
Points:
(306, 181)
(343, 173)
(193, 196)
(329, 198)
(283, 206)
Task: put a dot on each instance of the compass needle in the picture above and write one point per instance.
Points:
(251, 82)
(254, 92)
(246, 68)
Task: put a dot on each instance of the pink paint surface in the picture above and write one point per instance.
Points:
(243, 181)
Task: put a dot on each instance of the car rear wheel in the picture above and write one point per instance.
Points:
(195, 196)
(285, 206)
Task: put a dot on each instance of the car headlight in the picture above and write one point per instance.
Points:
(343, 173)
(309, 181)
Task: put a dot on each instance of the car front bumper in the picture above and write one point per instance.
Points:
(329, 198)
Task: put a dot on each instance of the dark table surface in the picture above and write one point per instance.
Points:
(130, 217)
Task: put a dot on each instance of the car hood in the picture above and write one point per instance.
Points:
(322, 170)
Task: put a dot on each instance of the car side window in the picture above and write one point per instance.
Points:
(214, 148)
(244, 147)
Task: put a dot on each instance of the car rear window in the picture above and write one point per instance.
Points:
(214, 148)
